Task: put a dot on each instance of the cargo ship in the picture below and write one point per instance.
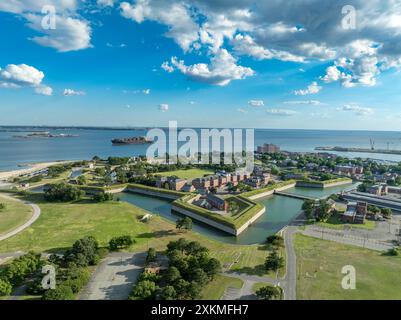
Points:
(132, 140)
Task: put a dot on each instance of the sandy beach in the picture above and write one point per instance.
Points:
(5, 175)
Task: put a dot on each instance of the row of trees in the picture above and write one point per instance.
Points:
(274, 261)
(385, 212)
(63, 192)
(103, 197)
(319, 211)
(190, 269)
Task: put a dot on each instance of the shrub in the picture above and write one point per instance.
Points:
(103, 197)
(20, 268)
(144, 290)
(275, 240)
(268, 293)
(5, 287)
(121, 242)
(62, 292)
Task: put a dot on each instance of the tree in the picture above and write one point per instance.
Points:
(152, 255)
(168, 293)
(274, 261)
(121, 242)
(16, 271)
(195, 248)
(84, 252)
(81, 180)
(212, 268)
(181, 244)
(184, 223)
(103, 197)
(193, 290)
(144, 290)
(275, 240)
(63, 192)
(268, 293)
(199, 276)
(5, 287)
(172, 274)
(386, 212)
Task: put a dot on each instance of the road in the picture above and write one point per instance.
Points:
(114, 277)
(35, 216)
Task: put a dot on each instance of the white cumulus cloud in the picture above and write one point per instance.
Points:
(221, 71)
(71, 92)
(313, 88)
(356, 109)
(23, 75)
(256, 103)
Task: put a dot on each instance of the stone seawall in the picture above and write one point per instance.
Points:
(217, 225)
(305, 184)
(152, 193)
(270, 192)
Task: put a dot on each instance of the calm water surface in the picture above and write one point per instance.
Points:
(90, 142)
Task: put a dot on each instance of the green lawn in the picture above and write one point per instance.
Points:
(319, 265)
(61, 224)
(215, 289)
(14, 215)
(334, 222)
(187, 174)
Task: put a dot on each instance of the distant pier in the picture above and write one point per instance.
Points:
(362, 150)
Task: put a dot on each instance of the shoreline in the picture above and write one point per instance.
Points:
(5, 175)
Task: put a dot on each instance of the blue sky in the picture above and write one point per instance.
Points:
(102, 66)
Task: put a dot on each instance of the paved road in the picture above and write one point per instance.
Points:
(290, 280)
(4, 257)
(114, 277)
(35, 216)
(246, 292)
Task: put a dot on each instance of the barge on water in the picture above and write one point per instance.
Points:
(131, 140)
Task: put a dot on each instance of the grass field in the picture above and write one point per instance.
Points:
(14, 215)
(215, 289)
(319, 265)
(334, 222)
(187, 174)
(61, 224)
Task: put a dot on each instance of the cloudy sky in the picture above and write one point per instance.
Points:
(216, 63)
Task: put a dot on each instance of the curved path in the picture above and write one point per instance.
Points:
(35, 216)
(287, 283)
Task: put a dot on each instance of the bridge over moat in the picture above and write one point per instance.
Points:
(295, 196)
